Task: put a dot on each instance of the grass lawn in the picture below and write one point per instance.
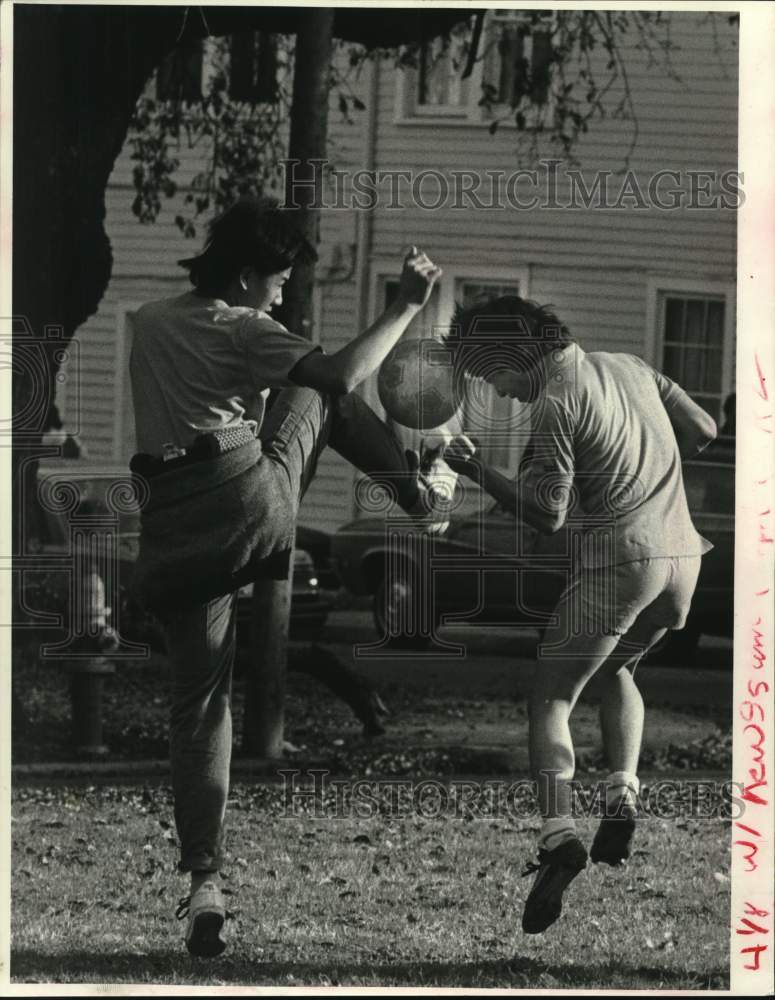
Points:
(379, 901)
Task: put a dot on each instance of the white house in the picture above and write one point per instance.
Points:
(648, 268)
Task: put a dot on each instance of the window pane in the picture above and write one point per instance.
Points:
(674, 319)
(693, 347)
(469, 292)
(716, 323)
(695, 331)
(711, 371)
(439, 74)
(513, 67)
(673, 365)
(541, 63)
(518, 57)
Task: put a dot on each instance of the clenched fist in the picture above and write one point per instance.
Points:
(418, 276)
(459, 456)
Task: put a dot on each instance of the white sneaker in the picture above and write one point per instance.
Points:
(206, 915)
(436, 483)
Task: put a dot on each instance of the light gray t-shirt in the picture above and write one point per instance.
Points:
(199, 365)
(603, 425)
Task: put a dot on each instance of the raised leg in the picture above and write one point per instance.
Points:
(302, 422)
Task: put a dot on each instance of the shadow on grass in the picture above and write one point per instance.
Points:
(166, 968)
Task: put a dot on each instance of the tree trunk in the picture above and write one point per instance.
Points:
(74, 92)
(307, 146)
(263, 721)
(264, 701)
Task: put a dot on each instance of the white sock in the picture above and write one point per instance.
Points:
(556, 831)
(621, 785)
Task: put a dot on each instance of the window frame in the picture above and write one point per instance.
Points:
(659, 289)
(383, 269)
(409, 112)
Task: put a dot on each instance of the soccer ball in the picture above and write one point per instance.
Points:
(416, 384)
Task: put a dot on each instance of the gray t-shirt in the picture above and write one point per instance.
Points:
(199, 365)
(602, 429)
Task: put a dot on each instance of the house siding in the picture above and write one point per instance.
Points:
(595, 266)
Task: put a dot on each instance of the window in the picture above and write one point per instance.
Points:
(513, 64)
(695, 342)
(179, 76)
(517, 57)
(434, 86)
(440, 87)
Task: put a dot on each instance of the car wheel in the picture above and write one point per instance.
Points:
(397, 613)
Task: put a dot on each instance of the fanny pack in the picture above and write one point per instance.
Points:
(205, 446)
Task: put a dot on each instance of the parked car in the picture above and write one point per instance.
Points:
(491, 569)
(313, 578)
(313, 584)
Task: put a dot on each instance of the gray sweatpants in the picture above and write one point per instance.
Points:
(201, 640)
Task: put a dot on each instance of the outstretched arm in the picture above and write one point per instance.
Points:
(518, 496)
(694, 429)
(341, 372)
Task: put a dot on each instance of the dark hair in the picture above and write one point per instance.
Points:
(254, 232)
(509, 331)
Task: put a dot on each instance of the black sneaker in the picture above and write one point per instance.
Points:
(556, 870)
(613, 839)
(206, 915)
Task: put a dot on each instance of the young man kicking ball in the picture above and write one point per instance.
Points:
(609, 433)
(222, 480)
